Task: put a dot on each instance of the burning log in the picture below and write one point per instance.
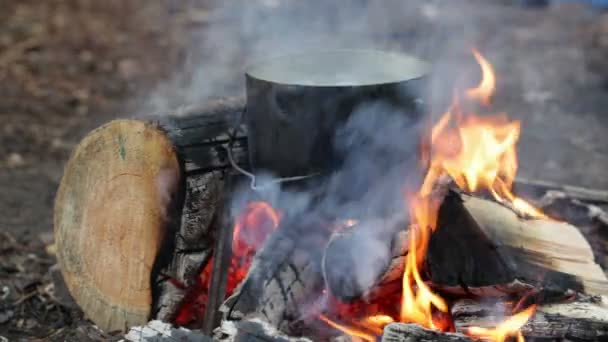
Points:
(193, 243)
(581, 320)
(481, 247)
(119, 221)
(254, 330)
(495, 251)
(384, 243)
(284, 278)
(201, 136)
(349, 276)
(401, 332)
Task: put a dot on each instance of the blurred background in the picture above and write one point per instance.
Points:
(68, 66)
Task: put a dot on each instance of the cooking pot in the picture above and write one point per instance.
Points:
(295, 103)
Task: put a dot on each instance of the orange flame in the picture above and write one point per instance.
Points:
(418, 301)
(509, 328)
(251, 228)
(484, 91)
(357, 334)
(254, 224)
(477, 153)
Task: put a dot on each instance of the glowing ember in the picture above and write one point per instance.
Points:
(251, 228)
(509, 328)
(356, 333)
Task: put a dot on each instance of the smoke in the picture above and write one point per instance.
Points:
(378, 144)
(241, 33)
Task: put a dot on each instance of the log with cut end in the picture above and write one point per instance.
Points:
(402, 332)
(284, 280)
(118, 218)
(111, 219)
(581, 320)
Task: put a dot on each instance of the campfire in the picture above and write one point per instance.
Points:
(466, 259)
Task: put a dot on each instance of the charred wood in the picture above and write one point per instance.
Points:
(366, 260)
(538, 188)
(284, 278)
(201, 136)
(580, 320)
(480, 247)
(253, 330)
(402, 332)
(539, 253)
(364, 257)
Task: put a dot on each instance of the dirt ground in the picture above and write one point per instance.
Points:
(67, 66)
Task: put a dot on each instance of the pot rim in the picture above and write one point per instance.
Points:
(302, 69)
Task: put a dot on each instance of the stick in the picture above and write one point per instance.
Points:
(219, 276)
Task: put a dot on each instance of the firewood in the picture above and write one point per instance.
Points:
(201, 136)
(111, 219)
(284, 278)
(580, 320)
(193, 245)
(158, 331)
(365, 257)
(254, 330)
(123, 240)
(480, 247)
(492, 245)
(402, 332)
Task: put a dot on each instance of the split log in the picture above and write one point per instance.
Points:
(284, 280)
(481, 244)
(402, 332)
(119, 223)
(581, 320)
(481, 247)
